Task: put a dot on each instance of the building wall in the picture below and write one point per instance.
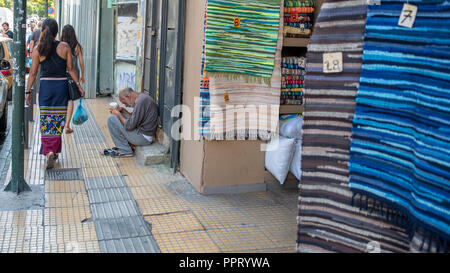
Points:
(128, 28)
(140, 45)
(191, 154)
(84, 17)
(233, 163)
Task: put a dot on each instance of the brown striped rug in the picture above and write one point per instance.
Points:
(421, 242)
(327, 220)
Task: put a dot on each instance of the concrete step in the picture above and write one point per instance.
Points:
(152, 155)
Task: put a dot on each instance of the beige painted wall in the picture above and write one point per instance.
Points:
(229, 163)
(191, 155)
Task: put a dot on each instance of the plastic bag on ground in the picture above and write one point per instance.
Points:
(278, 159)
(81, 116)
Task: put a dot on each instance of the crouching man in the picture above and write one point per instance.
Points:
(132, 129)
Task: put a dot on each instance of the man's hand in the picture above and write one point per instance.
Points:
(118, 108)
(119, 115)
(116, 112)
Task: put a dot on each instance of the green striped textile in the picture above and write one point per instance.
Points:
(248, 49)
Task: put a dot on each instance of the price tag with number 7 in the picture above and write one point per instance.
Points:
(332, 62)
(408, 16)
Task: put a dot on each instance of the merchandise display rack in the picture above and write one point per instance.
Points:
(297, 46)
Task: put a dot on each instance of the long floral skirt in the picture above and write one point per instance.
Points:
(53, 101)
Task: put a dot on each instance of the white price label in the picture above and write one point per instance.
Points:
(302, 63)
(408, 16)
(332, 62)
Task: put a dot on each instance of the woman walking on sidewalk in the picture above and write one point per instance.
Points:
(55, 59)
(68, 35)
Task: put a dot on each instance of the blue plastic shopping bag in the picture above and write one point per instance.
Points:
(81, 116)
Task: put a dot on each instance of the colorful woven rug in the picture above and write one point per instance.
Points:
(248, 47)
(204, 125)
(241, 109)
(421, 242)
(400, 150)
(327, 222)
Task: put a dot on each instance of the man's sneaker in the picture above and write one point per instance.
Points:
(108, 152)
(117, 154)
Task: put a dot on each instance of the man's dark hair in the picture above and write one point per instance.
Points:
(5, 23)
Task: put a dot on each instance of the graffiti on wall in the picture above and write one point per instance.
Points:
(127, 79)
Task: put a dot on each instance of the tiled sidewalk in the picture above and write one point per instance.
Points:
(117, 206)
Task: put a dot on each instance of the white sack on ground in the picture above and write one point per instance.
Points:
(296, 164)
(292, 128)
(278, 159)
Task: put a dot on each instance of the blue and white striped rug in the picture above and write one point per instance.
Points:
(400, 148)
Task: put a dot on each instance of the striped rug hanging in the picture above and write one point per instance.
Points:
(241, 38)
(204, 122)
(327, 222)
(400, 149)
(245, 110)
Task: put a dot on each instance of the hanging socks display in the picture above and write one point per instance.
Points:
(292, 80)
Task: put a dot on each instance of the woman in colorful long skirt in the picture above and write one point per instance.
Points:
(55, 59)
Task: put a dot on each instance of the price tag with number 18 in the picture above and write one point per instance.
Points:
(332, 62)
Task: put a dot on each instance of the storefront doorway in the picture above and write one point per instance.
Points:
(163, 49)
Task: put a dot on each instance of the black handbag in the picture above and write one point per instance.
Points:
(74, 91)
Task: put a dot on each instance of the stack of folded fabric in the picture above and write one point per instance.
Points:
(292, 80)
(298, 18)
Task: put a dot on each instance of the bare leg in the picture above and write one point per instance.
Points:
(50, 164)
(69, 117)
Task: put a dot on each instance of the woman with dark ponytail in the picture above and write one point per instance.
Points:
(56, 60)
(68, 35)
